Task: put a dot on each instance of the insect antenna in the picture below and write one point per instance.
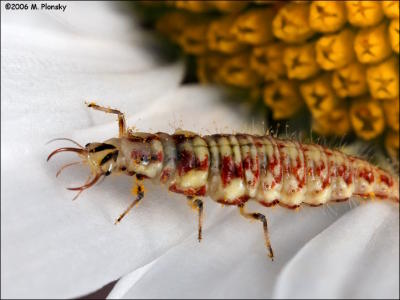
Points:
(65, 139)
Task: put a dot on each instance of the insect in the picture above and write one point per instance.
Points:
(232, 169)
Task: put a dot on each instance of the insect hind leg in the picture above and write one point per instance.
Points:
(263, 219)
(198, 205)
(121, 116)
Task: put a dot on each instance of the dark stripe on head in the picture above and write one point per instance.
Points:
(102, 147)
(112, 155)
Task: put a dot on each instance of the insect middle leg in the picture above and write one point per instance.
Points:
(263, 219)
(198, 205)
(139, 191)
(121, 116)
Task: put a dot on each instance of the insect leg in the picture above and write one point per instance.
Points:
(262, 218)
(121, 116)
(139, 191)
(198, 205)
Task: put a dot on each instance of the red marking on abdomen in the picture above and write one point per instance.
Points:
(186, 162)
(272, 163)
(300, 181)
(288, 206)
(202, 165)
(388, 181)
(227, 170)
(347, 175)
(327, 179)
(269, 204)
(246, 163)
(230, 171)
(237, 201)
(367, 175)
(313, 205)
(341, 200)
(201, 191)
(285, 165)
(340, 170)
(238, 171)
(249, 165)
(381, 196)
(320, 168)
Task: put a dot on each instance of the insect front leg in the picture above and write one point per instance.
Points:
(263, 219)
(138, 190)
(121, 116)
(198, 205)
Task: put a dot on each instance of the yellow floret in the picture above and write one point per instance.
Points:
(383, 79)
(335, 51)
(391, 8)
(350, 81)
(283, 98)
(327, 16)
(193, 38)
(267, 61)
(236, 71)
(364, 13)
(367, 118)
(319, 96)
(221, 39)
(291, 23)
(254, 26)
(372, 44)
(300, 61)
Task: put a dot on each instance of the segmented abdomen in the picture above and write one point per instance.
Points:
(232, 169)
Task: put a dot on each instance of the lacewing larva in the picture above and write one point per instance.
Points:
(233, 169)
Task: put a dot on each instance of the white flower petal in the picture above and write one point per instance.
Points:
(356, 257)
